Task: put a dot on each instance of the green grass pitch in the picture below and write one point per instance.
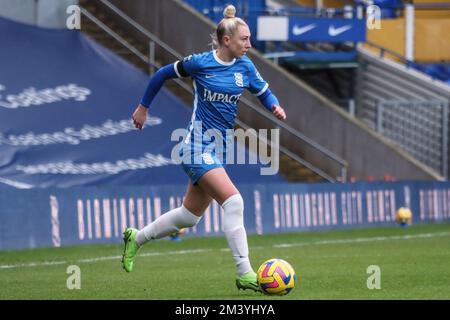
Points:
(414, 263)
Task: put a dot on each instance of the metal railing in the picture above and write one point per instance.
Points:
(419, 127)
(343, 165)
(384, 50)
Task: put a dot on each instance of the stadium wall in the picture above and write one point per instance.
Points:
(63, 217)
(367, 153)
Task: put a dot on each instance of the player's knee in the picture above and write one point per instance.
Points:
(234, 203)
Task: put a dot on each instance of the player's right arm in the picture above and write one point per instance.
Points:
(182, 68)
(154, 85)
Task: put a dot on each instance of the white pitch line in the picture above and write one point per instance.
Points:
(32, 264)
(369, 239)
(89, 260)
(281, 245)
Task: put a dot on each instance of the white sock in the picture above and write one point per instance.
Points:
(235, 232)
(168, 223)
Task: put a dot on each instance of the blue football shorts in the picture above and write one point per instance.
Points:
(197, 161)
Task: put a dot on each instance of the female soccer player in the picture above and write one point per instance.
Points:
(219, 78)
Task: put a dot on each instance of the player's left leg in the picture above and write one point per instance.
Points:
(219, 186)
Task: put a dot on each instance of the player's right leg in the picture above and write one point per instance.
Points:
(188, 215)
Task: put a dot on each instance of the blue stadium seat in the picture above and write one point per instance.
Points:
(437, 71)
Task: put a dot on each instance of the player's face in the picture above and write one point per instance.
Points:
(240, 41)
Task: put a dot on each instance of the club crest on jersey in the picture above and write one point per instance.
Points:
(239, 79)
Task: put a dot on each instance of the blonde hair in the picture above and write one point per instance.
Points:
(227, 26)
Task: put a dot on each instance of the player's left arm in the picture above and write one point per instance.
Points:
(260, 88)
(270, 101)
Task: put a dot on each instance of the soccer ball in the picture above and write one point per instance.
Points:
(403, 216)
(276, 277)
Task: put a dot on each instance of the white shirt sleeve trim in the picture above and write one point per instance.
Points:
(262, 90)
(176, 69)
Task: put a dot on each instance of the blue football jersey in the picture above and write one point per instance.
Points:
(218, 86)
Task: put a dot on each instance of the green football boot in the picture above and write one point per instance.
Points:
(248, 281)
(130, 250)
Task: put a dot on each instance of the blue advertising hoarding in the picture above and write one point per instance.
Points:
(61, 217)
